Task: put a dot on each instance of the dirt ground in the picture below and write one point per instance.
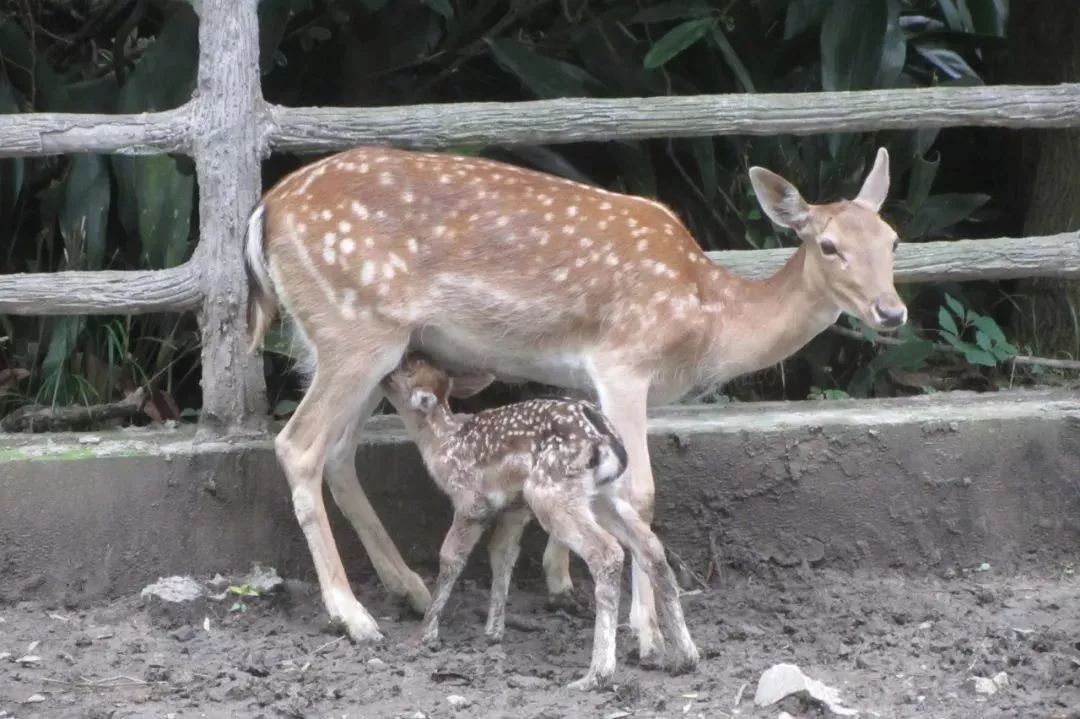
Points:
(893, 646)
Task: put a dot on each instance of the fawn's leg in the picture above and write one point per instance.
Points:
(569, 519)
(349, 496)
(333, 402)
(503, 549)
(622, 520)
(464, 533)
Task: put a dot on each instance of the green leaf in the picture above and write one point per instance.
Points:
(545, 77)
(943, 211)
(955, 18)
(442, 7)
(949, 62)
(909, 356)
(954, 305)
(274, 16)
(164, 197)
(857, 44)
(1003, 351)
(835, 394)
(921, 179)
(676, 40)
(977, 356)
(982, 340)
(893, 48)
(242, 591)
(957, 343)
(990, 327)
(988, 16)
(946, 321)
(742, 75)
(801, 15)
(85, 211)
(705, 156)
(12, 171)
(674, 10)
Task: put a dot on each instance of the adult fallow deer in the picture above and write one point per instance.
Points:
(489, 267)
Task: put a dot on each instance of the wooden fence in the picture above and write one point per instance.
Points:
(228, 128)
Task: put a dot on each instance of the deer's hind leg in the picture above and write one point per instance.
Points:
(349, 496)
(334, 401)
(465, 531)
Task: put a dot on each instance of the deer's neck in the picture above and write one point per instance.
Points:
(755, 324)
(432, 433)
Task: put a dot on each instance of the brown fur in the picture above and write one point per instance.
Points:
(523, 275)
(559, 458)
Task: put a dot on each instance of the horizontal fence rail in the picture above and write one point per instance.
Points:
(304, 129)
(179, 289)
(579, 119)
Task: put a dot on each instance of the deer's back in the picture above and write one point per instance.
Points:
(478, 252)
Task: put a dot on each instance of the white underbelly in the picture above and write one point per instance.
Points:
(458, 350)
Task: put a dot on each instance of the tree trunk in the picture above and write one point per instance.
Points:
(1044, 48)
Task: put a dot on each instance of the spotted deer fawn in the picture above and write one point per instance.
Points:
(562, 460)
(490, 267)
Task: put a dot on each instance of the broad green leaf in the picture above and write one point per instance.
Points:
(442, 7)
(893, 48)
(835, 394)
(635, 167)
(673, 10)
(676, 40)
(954, 17)
(977, 356)
(1003, 351)
(13, 170)
(85, 211)
(956, 342)
(802, 15)
(947, 323)
(164, 197)
(940, 212)
(742, 75)
(62, 339)
(853, 37)
(988, 16)
(908, 356)
(545, 77)
(990, 327)
(949, 62)
(705, 157)
(274, 16)
(242, 590)
(29, 71)
(954, 305)
(982, 339)
(921, 179)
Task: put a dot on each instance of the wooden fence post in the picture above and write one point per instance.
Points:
(228, 149)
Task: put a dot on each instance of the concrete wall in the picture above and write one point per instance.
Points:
(919, 484)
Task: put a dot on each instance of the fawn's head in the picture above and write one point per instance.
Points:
(418, 384)
(849, 248)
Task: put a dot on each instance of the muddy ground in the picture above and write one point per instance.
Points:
(894, 646)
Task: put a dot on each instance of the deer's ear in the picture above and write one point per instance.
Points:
(422, 400)
(466, 385)
(779, 198)
(876, 186)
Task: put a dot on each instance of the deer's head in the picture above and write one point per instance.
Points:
(849, 248)
(419, 385)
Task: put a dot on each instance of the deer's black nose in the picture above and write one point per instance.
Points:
(890, 315)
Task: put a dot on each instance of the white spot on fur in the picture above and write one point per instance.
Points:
(348, 246)
(560, 274)
(359, 210)
(367, 273)
(412, 245)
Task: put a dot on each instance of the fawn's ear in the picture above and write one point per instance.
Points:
(422, 400)
(466, 385)
(876, 186)
(781, 201)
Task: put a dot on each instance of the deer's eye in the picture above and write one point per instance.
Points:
(828, 248)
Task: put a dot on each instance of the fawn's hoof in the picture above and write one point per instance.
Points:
(571, 601)
(354, 620)
(590, 682)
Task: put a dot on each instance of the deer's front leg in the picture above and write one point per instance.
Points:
(624, 398)
(349, 495)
